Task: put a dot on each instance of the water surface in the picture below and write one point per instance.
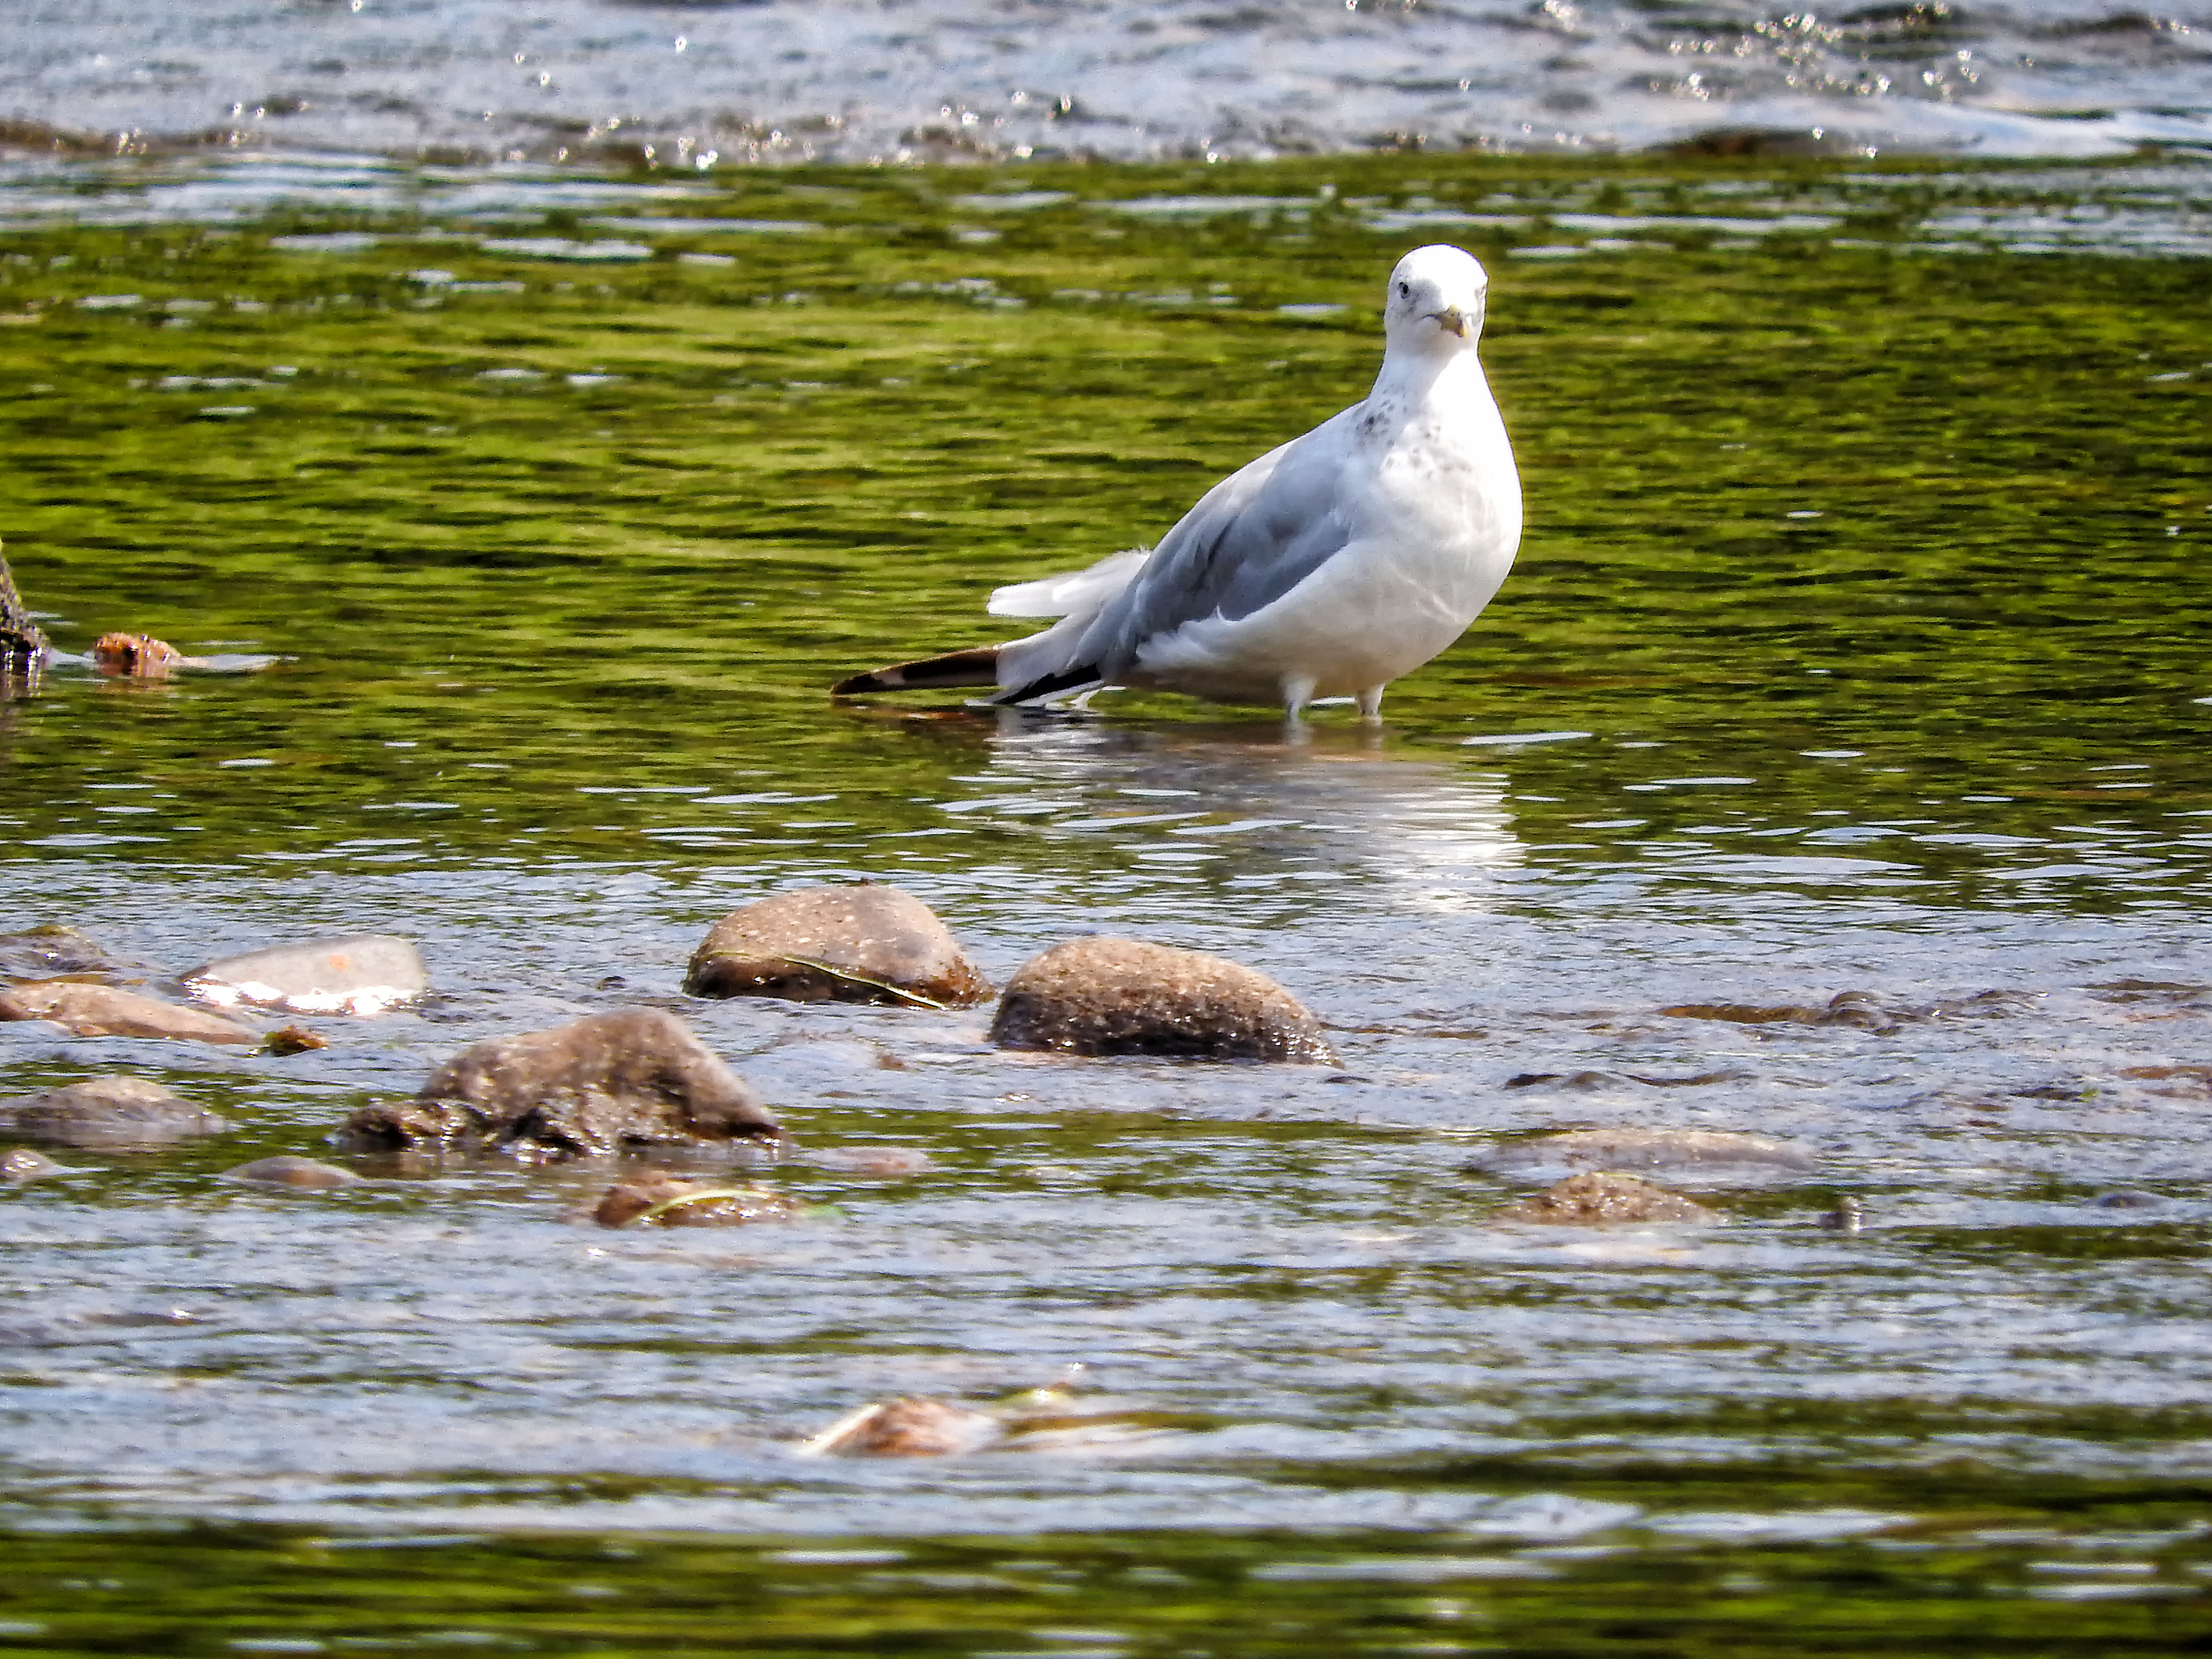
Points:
(1856, 645)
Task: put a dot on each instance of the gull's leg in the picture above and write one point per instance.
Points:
(1370, 704)
(1297, 692)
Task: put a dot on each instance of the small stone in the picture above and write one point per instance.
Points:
(292, 1039)
(1848, 1217)
(308, 1174)
(888, 1161)
(109, 1111)
(20, 1166)
(2132, 1198)
(50, 951)
(1652, 1149)
(348, 973)
(632, 1077)
(1123, 996)
(1600, 1198)
(913, 1426)
(104, 1010)
(863, 944)
(139, 655)
(657, 1199)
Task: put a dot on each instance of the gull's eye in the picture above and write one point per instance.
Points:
(1405, 290)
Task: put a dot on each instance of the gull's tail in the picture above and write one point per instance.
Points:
(976, 666)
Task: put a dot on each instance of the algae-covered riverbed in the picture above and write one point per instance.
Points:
(1857, 645)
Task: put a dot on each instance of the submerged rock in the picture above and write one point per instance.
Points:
(50, 951)
(1863, 1009)
(2130, 1198)
(1652, 1149)
(913, 1426)
(292, 1039)
(1600, 1198)
(1848, 1217)
(348, 974)
(308, 1174)
(863, 944)
(634, 1078)
(104, 1010)
(657, 1199)
(20, 1166)
(136, 656)
(887, 1161)
(1124, 996)
(109, 1111)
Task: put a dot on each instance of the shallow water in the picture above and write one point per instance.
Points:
(1856, 645)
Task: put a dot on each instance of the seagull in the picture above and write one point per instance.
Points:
(1326, 568)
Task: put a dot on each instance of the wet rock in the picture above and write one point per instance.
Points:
(50, 951)
(913, 1426)
(136, 656)
(1653, 1149)
(2132, 1198)
(109, 1111)
(632, 1077)
(862, 944)
(104, 1010)
(1848, 1217)
(1580, 1080)
(1123, 996)
(1863, 1009)
(20, 1166)
(307, 1174)
(2191, 1081)
(887, 1161)
(348, 973)
(1600, 1198)
(292, 1039)
(657, 1199)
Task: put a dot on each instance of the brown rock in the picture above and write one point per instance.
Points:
(913, 1426)
(1600, 1198)
(141, 655)
(20, 1166)
(109, 1111)
(657, 1199)
(293, 1040)
(308, 1174)
(1124, 996)
(103, 1011)
(634, 1078)
(863, 944)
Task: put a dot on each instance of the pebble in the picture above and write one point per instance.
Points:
(862, 944)
(2132, 1198)
(1848, 1217)
(1601, 1198)
(109, 1111)
(308, 1174)
(659, 1199)
(347, 974)
(20, 1166)
(632, 1077)
(1123, 996)
(914, 1426)
(104, 1010)
(135, 655)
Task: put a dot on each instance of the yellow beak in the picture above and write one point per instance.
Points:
(1453, 319)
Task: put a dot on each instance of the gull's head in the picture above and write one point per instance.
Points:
(1436, 299)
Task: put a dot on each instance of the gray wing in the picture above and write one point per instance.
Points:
(1251, 539)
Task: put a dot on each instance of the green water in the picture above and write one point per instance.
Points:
(1868, 562)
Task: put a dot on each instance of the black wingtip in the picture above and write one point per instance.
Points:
(1051, 685)
(976, 666)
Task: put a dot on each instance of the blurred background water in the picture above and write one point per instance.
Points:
(699, 85)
